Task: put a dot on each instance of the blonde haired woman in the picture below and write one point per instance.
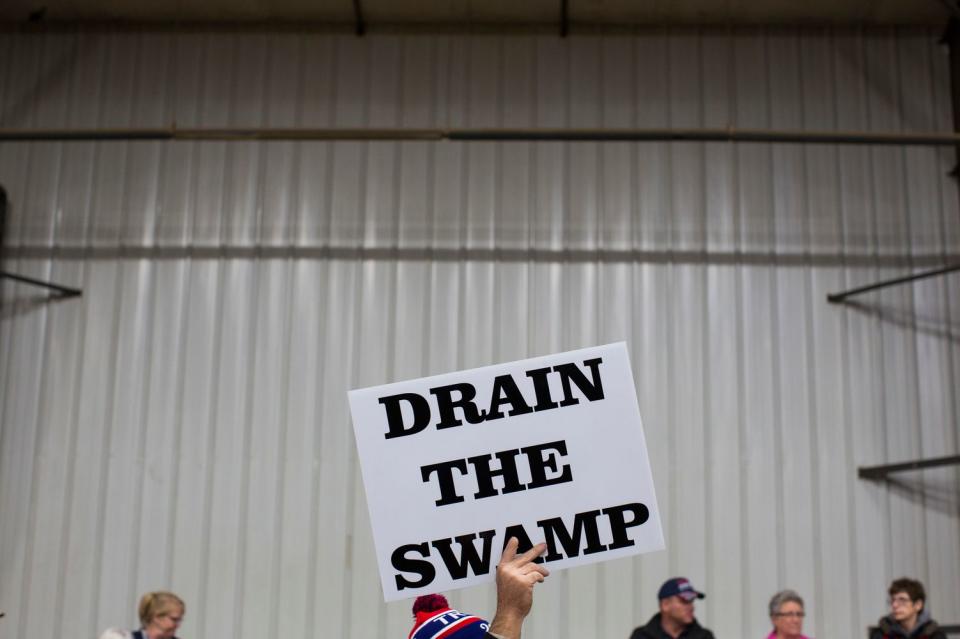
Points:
(160, 612)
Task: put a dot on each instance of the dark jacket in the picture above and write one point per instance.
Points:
(926, 628)
(139, 634)
(653, 630)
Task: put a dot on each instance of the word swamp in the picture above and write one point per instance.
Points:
(561, 542)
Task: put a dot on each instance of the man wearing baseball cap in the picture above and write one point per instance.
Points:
(675, 619)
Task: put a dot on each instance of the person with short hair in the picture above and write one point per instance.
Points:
(786, 614)
(433, 616)
(675, 619)
(161, 613)
(908, 616)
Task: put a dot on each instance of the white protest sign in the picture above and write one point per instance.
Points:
(544, 449)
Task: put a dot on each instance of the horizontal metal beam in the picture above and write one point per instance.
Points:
(213, 134)
(836, 298)
(458, 254)
(63, 291)
(879, 472)
(481, 135)
(706, 135)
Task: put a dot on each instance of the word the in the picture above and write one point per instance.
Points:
(539, 459)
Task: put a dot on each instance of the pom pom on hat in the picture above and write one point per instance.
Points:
(434, 619)
(429, 603)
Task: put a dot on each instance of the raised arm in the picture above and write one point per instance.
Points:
(516, 577)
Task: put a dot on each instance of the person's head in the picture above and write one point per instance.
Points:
(907, 599)
(161, 613)
(786, 613)
(433, 617)
(676, 601)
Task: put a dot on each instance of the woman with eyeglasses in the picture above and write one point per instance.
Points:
(786, 613)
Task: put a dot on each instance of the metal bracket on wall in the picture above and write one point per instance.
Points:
(59, 289)
(836, 298)
(359, 25)
(880, 472)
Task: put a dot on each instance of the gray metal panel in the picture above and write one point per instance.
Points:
(184, 423)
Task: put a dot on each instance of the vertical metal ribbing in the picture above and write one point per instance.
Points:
(845, 373)
(285, 318)
(316, 492)
(393, 299)
(349, 569)
(243, 513)
(113, 374)
(707, 389)
(112, 380)
(949, 289)
(352, 470)
(495, 302)
(316, 486)
(880, 382)
(213, 409)
(258, 330)
(564, 271)
(213, 416)
(908, 212)
(3, 225)
(69, 505)
(292, 273)
(8, 45)
(188, 271)
(39, 428)
(775, 341)
(292, 217)
(430, 200)
(636, 343)
(290, 276)
(670, 277)
(141, 442)
(809, 351)
(63, 549)
(600, 336)
(736, 203)
(8, 353)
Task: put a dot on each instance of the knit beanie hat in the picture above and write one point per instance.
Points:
(434, 619)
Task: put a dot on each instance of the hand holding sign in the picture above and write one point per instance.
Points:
(455, 465)
(516, 577)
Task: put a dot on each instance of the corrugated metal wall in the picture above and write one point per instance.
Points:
(184, 424)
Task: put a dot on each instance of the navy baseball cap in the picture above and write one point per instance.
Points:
(680, 586)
